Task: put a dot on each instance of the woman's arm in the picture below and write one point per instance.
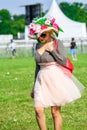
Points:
(36, 71)
(59, 56)
(35, 75)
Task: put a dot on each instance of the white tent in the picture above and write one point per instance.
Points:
(71, 28)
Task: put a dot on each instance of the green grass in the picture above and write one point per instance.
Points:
(16, 106)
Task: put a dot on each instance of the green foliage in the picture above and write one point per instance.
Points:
(18, 17)
(17, 111)
(5, 15)
(5, 22)
(85, 8)
(5, 27)
(17, 26)
(42, 14)
(75, 11)
(18, 23)
(11, 24)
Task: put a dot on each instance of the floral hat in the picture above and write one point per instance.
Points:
(38, 26)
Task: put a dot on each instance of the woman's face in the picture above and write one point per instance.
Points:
(45, 37)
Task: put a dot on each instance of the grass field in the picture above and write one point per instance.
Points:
(16, 106)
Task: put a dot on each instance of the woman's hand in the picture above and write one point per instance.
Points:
(48, 47)
(32, 94)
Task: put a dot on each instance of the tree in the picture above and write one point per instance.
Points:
(75, 11)
(85, 8)
(17, 26)
(18, 17)
(5, 15)
(11, 24)
(5, 24)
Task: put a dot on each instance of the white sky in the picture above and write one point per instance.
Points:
(14, 6)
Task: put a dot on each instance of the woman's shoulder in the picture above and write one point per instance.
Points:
(59, 42)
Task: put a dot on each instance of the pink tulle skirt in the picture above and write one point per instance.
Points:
(54, 88)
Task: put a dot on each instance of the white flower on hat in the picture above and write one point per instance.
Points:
(32, 26)
(47, 22)
(38, 28)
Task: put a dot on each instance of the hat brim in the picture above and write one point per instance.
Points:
(47, 30)
(51, 29)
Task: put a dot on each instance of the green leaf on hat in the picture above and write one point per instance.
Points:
(60, 29)
(41, 21)
(56, 34)
(50, 25)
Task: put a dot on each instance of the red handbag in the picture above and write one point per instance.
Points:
(69, 64)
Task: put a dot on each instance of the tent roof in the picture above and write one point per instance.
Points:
(71, 28)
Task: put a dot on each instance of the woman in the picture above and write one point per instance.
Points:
(53, 86)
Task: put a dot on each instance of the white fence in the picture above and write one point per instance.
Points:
(4, 39)
(81, 44)
(26, 49)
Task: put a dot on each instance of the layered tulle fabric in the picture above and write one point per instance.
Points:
(54, 88)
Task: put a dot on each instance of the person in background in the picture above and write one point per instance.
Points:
(33, 49)
(52, 85)
(12, 46)
(73, 47)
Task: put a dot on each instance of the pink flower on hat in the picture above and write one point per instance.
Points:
(43, 27)
(32, 31)
(52, 20)
(55, 26)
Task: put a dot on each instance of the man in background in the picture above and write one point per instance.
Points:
(12, 46)
(73, 47)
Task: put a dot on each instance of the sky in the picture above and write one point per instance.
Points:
(17, 6)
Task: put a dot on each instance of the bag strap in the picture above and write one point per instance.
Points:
(55, 45)
(69, 64)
